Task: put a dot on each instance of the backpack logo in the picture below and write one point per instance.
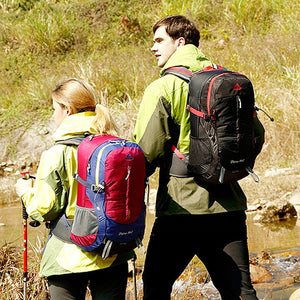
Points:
(129, 157)
(237, 87)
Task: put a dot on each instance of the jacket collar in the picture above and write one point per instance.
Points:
(188, 56)
(75, 125)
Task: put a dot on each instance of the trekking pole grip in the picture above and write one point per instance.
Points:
(24, 212)
(26, 175)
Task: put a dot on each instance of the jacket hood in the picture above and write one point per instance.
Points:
(193, 59)
(74, 125)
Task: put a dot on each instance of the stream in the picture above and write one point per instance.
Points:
(281, 241)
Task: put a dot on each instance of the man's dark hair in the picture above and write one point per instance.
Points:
(179, 26)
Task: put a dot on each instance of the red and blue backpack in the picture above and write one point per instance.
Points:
(110, 211)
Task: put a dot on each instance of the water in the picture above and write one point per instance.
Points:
(11, 227)
(281, 240)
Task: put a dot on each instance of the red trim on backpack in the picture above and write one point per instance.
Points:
(195, 111)
(177, 152)
(209, 91)
(208, 68)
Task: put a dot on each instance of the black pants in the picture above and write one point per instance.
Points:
(220, 242)
(105, 284)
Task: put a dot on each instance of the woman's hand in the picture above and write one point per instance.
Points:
(23, 185)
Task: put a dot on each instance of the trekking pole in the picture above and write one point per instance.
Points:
(25, 273)
(25, 176)
(134, 278)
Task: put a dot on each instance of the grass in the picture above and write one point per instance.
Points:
(11, 276)
(108, 42)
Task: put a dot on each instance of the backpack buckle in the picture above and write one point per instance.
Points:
(213, 116)
(97, 188)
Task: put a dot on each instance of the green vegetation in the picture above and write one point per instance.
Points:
(108, 42)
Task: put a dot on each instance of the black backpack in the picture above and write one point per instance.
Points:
(223, 147)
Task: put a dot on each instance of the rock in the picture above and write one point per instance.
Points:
(295, 200)
(44, 131)
(275, 285)
(277, 172)
(295, 295)
(31, 143)
(278, 210)
(262, 258)
(253, 207)
(259, 274)
(152, 201)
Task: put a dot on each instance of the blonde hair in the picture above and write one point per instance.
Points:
(79, 96)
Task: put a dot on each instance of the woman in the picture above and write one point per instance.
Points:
(68, 268)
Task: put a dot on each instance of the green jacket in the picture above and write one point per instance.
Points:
(163, 120)
(54, 188)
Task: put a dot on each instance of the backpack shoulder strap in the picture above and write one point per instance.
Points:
(74, 141)
(185, 74)
(71, 142)
(181, 72)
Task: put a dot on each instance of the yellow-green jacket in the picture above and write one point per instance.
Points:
(163, 120)
(54, 187)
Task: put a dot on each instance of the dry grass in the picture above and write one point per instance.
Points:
(108, 45)
(11, 276)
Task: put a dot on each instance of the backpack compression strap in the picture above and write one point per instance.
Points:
(95, 188)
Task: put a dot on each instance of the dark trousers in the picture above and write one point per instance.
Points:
(105, 284)
(220, 242)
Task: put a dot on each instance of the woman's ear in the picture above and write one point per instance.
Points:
(69, 110)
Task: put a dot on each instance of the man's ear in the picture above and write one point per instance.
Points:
(180, 42)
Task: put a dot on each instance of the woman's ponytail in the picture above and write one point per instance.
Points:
(103, 121)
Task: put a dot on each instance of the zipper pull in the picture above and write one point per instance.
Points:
(253, 175)
(148, 191)
(222, 175)
(128, 173)
(239, 101)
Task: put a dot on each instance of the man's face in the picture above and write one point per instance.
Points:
(164, 46)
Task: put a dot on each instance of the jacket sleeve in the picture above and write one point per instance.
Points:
(49, 195)
(152, 129)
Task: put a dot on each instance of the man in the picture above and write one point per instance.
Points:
(193, 218)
